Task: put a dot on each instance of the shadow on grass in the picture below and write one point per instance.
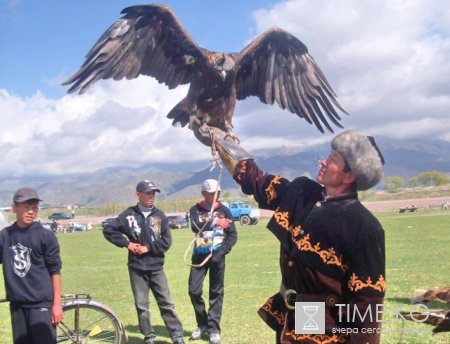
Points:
(404, 300)
(429, 304)
(135, 336)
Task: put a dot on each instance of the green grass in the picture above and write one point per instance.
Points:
(417, 247)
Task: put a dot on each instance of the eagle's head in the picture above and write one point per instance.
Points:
(222, 63)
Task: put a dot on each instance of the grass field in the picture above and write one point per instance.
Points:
(417, 249)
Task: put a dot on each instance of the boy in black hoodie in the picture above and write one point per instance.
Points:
(31, 269)
(216, 235)
(144, 230)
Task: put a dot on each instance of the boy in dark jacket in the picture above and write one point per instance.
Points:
(216, 236)
(31, 269)
(143, 229)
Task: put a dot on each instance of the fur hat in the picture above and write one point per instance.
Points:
(362, 156)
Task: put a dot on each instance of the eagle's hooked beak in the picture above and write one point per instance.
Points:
(223, 74)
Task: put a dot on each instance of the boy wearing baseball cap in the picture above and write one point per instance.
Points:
(31, 267)
(144, 230)
(216, 235)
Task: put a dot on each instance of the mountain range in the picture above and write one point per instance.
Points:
(404, 158)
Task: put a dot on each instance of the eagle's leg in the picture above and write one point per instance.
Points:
(194, 120)
(230, 133)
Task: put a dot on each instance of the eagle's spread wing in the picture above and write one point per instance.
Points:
(436, 294)
(276, 66)
(147, 40)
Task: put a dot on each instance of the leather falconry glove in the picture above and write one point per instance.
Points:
(229, 151)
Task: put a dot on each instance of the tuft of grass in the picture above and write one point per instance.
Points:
(417, 247)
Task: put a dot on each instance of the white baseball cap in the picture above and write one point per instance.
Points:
(210, 185)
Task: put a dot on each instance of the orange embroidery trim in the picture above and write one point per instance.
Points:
(279, 317)
(316, 338)
(282, 218)
(270, 190)
(329, 256)
(355, 284)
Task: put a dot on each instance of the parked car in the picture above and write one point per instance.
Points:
(60, 216)
(177, 221)
(244, 213)
(77, 227)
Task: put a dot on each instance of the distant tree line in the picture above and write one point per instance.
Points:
(430, 178)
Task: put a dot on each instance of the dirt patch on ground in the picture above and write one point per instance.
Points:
(395, 205)
(378, 206)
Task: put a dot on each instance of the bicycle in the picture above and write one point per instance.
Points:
(87, 321)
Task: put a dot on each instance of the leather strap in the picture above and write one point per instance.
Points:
(291, 296)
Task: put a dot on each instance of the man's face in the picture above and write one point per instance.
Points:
(146, 198)
(209, 196)
(25, 212)
(331, 173)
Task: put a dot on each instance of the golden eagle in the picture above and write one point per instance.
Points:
(276, 66)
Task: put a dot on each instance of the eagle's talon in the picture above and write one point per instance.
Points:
(232, 136)
(205, 134)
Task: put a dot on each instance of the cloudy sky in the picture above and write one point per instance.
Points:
(388, 61)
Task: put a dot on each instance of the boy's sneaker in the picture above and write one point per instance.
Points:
(197, 334)
(214, 338)
(178, 341)
(149, 340)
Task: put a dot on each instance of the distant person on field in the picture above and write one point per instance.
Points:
(54, 226)
(31, 269)
(213, 224)
(144, 230)
(188, 219)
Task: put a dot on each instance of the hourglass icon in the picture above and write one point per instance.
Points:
(310, 324)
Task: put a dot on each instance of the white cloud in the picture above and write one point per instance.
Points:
(114, 123)
(388, 61)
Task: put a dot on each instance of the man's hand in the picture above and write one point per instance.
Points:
(142, 250)
(57, 314)
(137, 249)
(133, 247)
(223, 223)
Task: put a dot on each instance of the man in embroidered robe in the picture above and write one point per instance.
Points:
(332, 247)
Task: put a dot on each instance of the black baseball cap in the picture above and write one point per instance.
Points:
(146, 186)
(25, 194)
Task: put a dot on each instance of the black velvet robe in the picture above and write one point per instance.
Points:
(332, 250)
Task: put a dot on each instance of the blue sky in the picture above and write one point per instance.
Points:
(388, 62)
(42, 41)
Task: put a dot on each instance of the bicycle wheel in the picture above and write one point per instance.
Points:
(87, 321)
